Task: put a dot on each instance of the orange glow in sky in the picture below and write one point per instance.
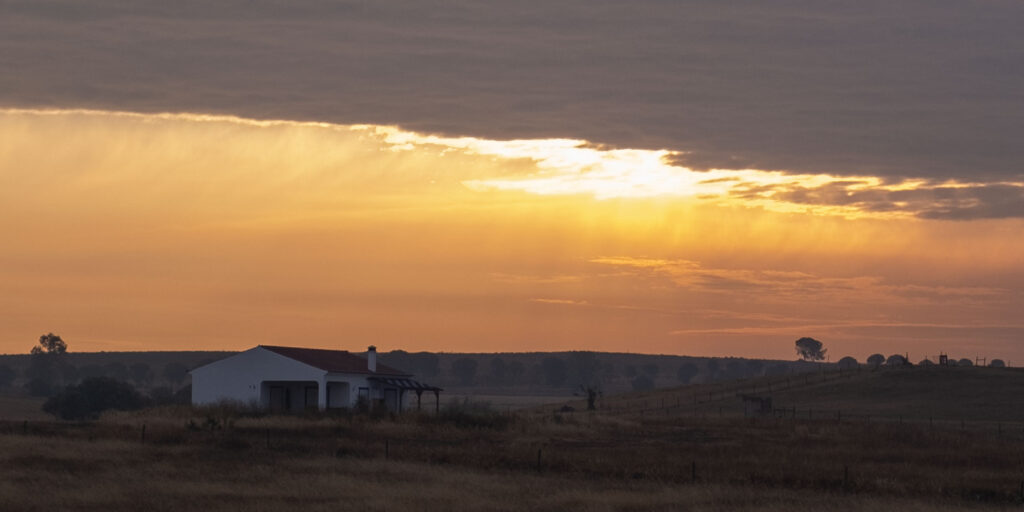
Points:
(187, 232)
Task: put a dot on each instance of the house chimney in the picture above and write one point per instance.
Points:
(371, 358)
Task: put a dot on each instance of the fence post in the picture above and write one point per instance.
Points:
(387, 449)
(538, 459)
(846, 476)
(143, 440)
(693, 475)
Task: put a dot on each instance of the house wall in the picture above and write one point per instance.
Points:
(239, 377)
(354, 383)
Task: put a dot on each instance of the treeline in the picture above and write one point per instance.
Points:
(562, 371)
(50, 369)
(44, 376)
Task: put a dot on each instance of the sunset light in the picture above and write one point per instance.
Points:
(275, 228)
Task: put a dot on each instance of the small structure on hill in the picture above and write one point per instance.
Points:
(293, 379)
(756, 405)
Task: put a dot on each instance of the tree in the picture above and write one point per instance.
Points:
(91, 370)
(810, 349)
(585, 367)
(175, 373)
(591, 392)
(50, 343)
(515, 371)
(499, 371)
(554, 371)
(45, 369)
(926, 362)
(848, 363)
(734, 368)
(965, 362)
(427, 364)
(93, 396)
(7, 376)
(686, 372)
(897, 360)
(712, 369)
(141, 373)
(876, 359)
(423, 364)
(997, 363)
(651, 369)
(465, 370)
(755, 367)
(117, 370)
(642, 382)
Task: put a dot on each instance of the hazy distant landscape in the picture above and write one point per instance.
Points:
(905, 438)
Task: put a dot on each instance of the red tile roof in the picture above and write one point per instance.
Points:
(335, 361)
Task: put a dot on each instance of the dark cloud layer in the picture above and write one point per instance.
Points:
(964, 202)
(931, 88)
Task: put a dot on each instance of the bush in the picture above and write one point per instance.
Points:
(642, 383)
(93, 396)
(848, 363)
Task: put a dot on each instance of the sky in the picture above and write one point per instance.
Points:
(700, 178)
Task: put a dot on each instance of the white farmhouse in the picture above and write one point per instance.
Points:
(296, 379)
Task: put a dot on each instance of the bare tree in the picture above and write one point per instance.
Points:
(591, 392)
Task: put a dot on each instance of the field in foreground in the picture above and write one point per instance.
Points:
(185, 459)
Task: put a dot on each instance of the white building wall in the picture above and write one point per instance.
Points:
(237, 378)
(355, 381)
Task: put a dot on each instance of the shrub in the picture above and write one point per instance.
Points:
(848, 363)
(93, 396)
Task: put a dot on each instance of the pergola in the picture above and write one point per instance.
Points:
(404, 384)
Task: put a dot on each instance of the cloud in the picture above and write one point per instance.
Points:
(564, 302)
(923, 88)
(960, 202)
(786, 286)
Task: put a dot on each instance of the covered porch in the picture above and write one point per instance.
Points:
(394, 390)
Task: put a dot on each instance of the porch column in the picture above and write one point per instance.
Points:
(321, 396)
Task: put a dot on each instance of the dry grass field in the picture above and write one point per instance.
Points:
(179, 458)
(945, 395)
(15, 408)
